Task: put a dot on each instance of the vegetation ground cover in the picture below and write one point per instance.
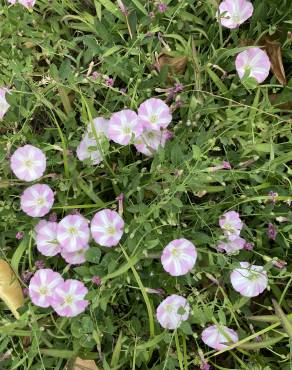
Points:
(229, 148)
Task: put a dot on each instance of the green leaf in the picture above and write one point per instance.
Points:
(287, 326)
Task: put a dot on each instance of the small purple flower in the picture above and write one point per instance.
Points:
(53, 217)
(272, 232)
(248, 246)
(19, 235)
(151, 15)
(96, 280)
(109, 81)
(95, 75)
(25, 292)
(226, 165)
(173, 91)
(39, 264)
(161, 7)
(273, 197)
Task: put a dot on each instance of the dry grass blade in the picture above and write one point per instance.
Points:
(10, 290)
(80, 364)
(176, 65)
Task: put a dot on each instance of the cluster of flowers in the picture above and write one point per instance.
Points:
(179, 257)
(253, 62)
(48, 289)
(29, 4)
(146, 130)
(70, 236)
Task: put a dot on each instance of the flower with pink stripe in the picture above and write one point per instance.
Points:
(29, 4)
(249, 280)
(107, 228)
(179, 257)
(154, 114)
(46, 238)
(150, 141)
(73, 233)
(4, 105)
(231, 224)
(232, 13)
(219, 336)
(172, 312)
(69, 299)
(89, 149)
(123, 126)
(101, 126)
(28, 163)
(231, 246)
(254, 63)
(37, 200)
(42, 287)
(75, 258)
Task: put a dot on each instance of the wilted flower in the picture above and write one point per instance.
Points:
(253, 62)
(96, 280)
(172, 312)
(107, 228)
(123, 126)
(232, 246)
(231, 224)
(232, 13)
(75, 258)
(154, 114)
(42, 287)
(179, 257)
(4, 105)
(248, 246)
(219, 336)
(109, 81)
(28, 163)
(150, 141)
(123, 8)
(46, 238)
(68, 300)
(161, 7)
(73, 233)
(273, 197)
(37, 200)
(249, 280)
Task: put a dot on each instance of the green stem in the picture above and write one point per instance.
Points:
(179, 354)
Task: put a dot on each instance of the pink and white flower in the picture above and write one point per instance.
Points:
(29, 4)
(11, 1)
(172, 312)
(73, 233)
(123, 126)
(4, 105)
(179, 257)
(75, 258)
(107, 228)
(37, 200)
(88, 149)
(154, 114)
(69, 299)
(231, 246)
(249, 280)
(42, 287)
(101, 126)
(28, 163)
(46, 238)
(232, 13)
(219, 336)
(231, 224)
(150, 141)
(254, 63)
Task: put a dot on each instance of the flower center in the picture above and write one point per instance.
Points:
(72, 230)
(236, 18)
(175, 252)
(229, 227)
(43, 290)
(40, 201)
(69, 299)
(111, 230)
(253, 275)
(28, 163)
(153, 118)
(127, 130)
